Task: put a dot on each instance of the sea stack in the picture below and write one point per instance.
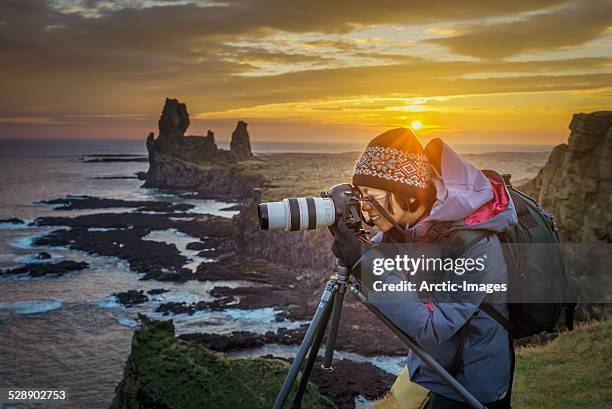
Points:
(576, 182)
(240, 146)
(174, 120)
(178, 161)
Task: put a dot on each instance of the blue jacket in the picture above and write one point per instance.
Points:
(462, 192)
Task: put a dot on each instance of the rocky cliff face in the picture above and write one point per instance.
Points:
(177, 161)
(576, 182)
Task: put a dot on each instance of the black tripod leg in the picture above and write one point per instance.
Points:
(333, 329)
(324, 308)
(312, 357)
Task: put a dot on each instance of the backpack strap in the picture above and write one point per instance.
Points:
(570, 310)
(457, 243)
(460, 242)
(493, 313)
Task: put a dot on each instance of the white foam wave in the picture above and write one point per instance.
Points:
(32, 306)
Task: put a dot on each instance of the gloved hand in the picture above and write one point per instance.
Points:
(346, 246)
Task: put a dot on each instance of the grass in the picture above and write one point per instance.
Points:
(572, 371)
(165, 372)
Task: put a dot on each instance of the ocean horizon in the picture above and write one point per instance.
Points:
(60, 147)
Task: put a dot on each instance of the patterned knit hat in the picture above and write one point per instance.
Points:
(394, 161)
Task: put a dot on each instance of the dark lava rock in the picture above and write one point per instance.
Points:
(43, 269)
(358, 327)
(240, 146)
(12, 221)
(161, 261)
(43, 255)
(174, 119)
(131, 297)
(111, 155)
(203, 226)
(239, 340)
(196, 245)
(113, 158)
(349, 380)
(156, 291)
(90, 202)
(176, 308)
(115, 177)
(281, 298)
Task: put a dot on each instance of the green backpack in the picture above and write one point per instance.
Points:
(532, 275)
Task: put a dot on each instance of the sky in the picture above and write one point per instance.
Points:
(318, 71)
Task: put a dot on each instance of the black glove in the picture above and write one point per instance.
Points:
(346, 246)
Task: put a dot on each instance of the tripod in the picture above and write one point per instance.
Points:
(331, 306)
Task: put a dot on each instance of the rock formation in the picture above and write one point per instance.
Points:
(174, 119)
(240, 147)
(177, 161)
(576, 182)
(165, 372)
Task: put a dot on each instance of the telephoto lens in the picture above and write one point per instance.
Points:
(302, 213)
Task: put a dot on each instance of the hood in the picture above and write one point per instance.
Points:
(465, 197)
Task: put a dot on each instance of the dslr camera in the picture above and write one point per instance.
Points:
(340, 203)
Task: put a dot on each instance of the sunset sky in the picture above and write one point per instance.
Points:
(471, 71)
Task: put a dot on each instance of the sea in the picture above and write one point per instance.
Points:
(70, 333)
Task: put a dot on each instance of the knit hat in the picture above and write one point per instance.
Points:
(394, 161)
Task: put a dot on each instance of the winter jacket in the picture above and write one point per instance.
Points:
(465, 199)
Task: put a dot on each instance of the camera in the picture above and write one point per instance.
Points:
(341, 202)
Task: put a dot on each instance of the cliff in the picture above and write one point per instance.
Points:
(576, 182)
(166, 372)
(177, 161)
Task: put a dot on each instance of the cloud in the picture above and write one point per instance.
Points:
(156, 39)
(70, 59)
(567, 27)
(254, 55)
(421, 78)
(234, 16)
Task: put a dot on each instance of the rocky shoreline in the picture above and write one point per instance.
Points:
(290, 290)
(293, 291)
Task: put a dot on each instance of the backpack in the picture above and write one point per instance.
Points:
(529, 272)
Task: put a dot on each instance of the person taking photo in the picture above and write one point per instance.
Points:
(429, 194)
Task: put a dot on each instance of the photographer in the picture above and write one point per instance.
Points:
(429, 194)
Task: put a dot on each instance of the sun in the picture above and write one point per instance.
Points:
(416, 124)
